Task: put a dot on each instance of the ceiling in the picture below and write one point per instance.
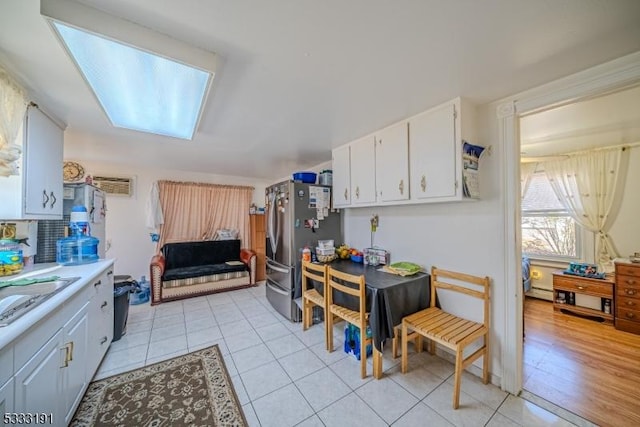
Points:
(299, 77)
(607, 120)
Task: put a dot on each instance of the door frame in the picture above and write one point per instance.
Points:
(597, 80)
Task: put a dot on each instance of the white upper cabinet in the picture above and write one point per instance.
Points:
(36, 193)
(341, 177)
(417, 160)
(363, 172)
(392, 163)
(433, 153)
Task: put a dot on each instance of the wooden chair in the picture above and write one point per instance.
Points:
(358, 318)
(311, 297)
(451, 331)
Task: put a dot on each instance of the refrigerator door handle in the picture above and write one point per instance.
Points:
(276, 268)
(276, 289)
(271, 221)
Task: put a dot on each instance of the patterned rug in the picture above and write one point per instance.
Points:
(190, 390)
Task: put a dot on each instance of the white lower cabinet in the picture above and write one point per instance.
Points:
(6, 398)
(51, 378)
(101, 312)
(38, 385)
(74, 371)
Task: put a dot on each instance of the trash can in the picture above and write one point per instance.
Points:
(122, 286)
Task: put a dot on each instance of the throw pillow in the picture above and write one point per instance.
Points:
(226, 234)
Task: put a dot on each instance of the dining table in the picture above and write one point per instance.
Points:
(389, 298)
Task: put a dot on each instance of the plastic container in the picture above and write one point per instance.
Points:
(11, 261)
(122, 286)
(356, 258)
(325, 177)
(306, 177)
(76, 250)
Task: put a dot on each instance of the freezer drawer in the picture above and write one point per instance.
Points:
(280, 274)
(281, 300)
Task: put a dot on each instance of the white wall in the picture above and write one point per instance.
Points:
(625, 231)
(465, 236)
(127, 234)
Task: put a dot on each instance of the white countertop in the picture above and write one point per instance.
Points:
(86, 272)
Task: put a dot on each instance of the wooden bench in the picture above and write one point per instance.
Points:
(450, 331)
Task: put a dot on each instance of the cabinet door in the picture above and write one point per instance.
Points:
(101, 312)
(341, 164)
(392, 163)
(432, 148)
(6, 398)
(43, 166)
(363, 171)
(74, 376)
(38, 384)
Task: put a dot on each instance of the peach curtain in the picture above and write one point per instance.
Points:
(195, 211)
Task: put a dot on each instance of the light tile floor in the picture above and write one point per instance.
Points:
(285, 377)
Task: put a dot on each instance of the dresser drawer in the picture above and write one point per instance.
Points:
(628, 314)
(586, 287)
(628, 303)
(628, 270)
(628, 281)
(625, 288)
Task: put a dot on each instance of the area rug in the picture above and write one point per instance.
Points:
(189, 390)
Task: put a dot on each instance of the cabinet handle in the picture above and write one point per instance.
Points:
(582, 288)
(70, 351)
(630, 282)
(423, 183)
(345, 194)
(67, 355)
(103, 340)
(358, 192)
(109, 273)
(630, 291)
(104, 304)
(45, 198)
(401, 186)
(98, 283)
(631, 303)
(630, 315)
(53, 200)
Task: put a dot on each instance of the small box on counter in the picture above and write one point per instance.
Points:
(376, 256)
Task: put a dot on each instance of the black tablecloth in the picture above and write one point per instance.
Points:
(389, 297)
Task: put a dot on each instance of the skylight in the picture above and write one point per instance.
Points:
(138, 90)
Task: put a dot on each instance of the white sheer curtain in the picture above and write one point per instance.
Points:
(588, 183)
(526, 171)
(13, 105)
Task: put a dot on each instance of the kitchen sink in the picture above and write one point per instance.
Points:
(18, 300)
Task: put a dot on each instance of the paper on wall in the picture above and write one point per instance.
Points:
(470, 159)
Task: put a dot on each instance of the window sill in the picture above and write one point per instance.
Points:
(540, 262)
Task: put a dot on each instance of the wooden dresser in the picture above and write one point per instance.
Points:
(258, 228)
(628, 297)
(566, 287)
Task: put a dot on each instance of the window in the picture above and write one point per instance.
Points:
(548, 231)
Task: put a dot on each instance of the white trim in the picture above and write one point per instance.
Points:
(602, 78)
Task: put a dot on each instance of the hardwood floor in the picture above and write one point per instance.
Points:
(586, 367)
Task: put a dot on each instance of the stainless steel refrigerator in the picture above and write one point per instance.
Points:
(298, 215)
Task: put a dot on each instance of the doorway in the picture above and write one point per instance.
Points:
(578, 363)
(604, 78)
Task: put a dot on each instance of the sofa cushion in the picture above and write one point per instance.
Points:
(201, 270)
(206, 252)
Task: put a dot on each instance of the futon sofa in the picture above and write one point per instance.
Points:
(187, 269)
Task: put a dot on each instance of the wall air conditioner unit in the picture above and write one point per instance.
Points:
(119, 186)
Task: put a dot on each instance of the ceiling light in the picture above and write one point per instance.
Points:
(144, 80)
